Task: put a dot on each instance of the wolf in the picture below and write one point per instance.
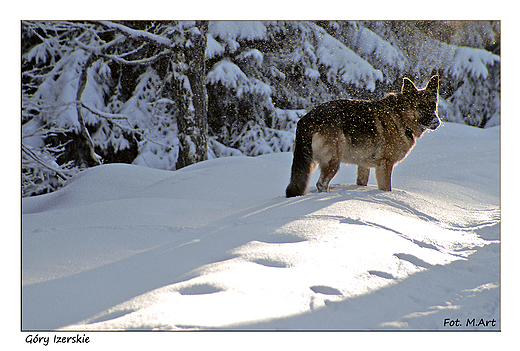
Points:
(371, 134)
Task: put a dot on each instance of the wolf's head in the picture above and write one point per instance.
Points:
(423, 102)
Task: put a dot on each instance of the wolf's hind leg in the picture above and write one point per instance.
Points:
(328, 146)
(362, 175)
(328, 171)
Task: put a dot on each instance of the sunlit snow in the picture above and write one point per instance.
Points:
(217, 245)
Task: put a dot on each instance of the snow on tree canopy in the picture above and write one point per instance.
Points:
(231, 76)
(138, 107)
(460, 61)
(238, 30)
(213, 48)
(472, 61)
(42, 52)
(369, 43)
(312, 73)
(233, 31)
(345, 63)
(254, 54)
(227, 73)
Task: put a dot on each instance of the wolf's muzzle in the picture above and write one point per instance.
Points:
(435, 122)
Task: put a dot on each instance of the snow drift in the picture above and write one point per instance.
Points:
(217, 245)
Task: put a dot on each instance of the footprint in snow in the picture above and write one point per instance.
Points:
(200, 289)
(326, 290)
(382, 274)
(111, 315)
(270, 263)
(413, 260)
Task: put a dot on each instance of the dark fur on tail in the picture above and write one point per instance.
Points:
(302, 161)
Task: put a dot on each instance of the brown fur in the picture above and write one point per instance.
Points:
(371, 134)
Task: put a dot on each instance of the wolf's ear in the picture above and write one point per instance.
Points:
(408, 87)
(433, 84)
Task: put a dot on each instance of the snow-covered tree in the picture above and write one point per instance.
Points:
(78, 78)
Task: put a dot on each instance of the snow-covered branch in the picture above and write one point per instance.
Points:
(138, 34)
(98, 50)
(115, 118)
(144, 62)
(35, 157)
(44, 131)
(106, 115)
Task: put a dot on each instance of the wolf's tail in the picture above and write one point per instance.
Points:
(302, 159)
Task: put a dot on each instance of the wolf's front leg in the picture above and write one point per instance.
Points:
(384, 175)
(362, 175)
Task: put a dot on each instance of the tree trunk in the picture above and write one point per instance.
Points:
(192, 121)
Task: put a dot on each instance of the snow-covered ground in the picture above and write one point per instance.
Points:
(218, 246)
